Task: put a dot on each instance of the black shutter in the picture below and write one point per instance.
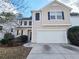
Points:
(63, 15)
(48, 15)
(37, 16)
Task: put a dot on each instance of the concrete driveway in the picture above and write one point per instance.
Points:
(53, 51)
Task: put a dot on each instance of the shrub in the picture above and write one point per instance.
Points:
(7, 38)
(10, 41)
(23, 39)
(4, 41)
(73, 35)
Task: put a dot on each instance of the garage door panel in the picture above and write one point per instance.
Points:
(51, 37)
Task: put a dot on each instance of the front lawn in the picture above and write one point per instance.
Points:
(14, 52)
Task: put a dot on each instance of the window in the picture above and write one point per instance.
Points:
(52, 15)
(17, 32)
(37, 16)
(1, 27)
(25, 22)
(30, 22)
(55, 15)
(11, 29)
(59, 15)
(21, 32)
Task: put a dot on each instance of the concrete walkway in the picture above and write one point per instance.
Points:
(54, 51)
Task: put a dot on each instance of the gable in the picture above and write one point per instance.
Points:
(56, 4)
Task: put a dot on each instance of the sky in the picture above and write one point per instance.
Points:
(37, 4)
(7, 7)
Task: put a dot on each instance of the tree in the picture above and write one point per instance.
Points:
(76, 4)
(6, 17)
(8, 20)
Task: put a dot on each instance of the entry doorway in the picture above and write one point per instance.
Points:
(29, 35)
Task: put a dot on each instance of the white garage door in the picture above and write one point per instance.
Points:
(51, 36)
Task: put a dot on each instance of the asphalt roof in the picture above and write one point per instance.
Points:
(27, 18)
(74, 14)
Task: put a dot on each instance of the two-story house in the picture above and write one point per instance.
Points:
(50, 23)
(47, 25)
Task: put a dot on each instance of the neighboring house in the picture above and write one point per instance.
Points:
(25, 27)
(74, 19)
(7, 27)
(18, 27)
(51, 23)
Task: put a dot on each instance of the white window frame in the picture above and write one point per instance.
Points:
(30, 23)
(55, 13)
(25, 23)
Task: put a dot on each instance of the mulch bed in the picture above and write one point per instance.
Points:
(14, 52)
